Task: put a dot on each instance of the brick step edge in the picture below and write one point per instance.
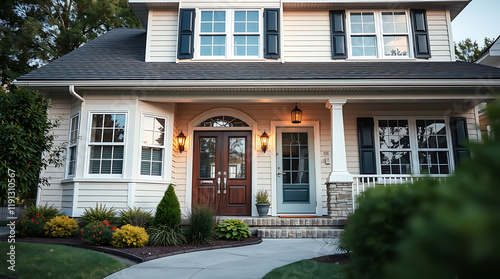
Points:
(292, 222)
(299, 233)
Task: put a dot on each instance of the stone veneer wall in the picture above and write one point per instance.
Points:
(340, 203)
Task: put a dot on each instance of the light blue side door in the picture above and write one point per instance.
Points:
(296, 185)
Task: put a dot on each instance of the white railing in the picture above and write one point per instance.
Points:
(365, 181)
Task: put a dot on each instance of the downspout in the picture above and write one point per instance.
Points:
(74, 94)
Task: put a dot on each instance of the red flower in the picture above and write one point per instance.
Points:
(37, 223)
(93, 235)
(33, 220)
(106, 222)
(43, 217)
(114, 228)
(94, 229)
(100, 232)
(82, 230)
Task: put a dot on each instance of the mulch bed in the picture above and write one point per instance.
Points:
(145, 253)
(334, 259)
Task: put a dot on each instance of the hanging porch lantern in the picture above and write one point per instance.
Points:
(296, 115)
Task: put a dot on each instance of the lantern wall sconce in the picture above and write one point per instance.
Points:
(181, 140)
(264, 141)
(296, 115)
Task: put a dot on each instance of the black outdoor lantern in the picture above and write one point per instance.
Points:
(296, 115)
(181, 140)
(264, 141)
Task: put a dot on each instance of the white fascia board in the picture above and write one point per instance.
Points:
(152, 1)
(366, 83)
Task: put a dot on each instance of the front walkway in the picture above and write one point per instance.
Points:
(253, 261)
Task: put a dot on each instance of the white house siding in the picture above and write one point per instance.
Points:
(110, 194)
(352, 111)
(61, 109)
(162, 36)
(148, 195)
(263, 114)
(306, 36)
(439, 36)
(229, 4)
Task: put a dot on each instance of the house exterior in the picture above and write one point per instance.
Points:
(380, 94)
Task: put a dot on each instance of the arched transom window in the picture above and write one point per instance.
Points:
(223, 121)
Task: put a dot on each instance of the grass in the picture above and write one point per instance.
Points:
(34, 260)
(307, 269)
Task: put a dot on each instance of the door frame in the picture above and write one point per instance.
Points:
(320, 187)
(192, 126)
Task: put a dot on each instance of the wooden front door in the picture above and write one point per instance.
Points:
(222, 171)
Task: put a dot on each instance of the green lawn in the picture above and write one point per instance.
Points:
(35, 260)
(307, 269)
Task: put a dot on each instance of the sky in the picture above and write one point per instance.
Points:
(481, 18)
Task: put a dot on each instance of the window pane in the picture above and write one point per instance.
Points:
(240, 16)
(220, 40)
(207, 16)
(219, 50)
(356, 17)
(146, 154)
(253, 16)
(159, 138)
(253, 40)
(117, 166)
(107, 135)
(119, 120)
(119, 135)
(253, 27)
(219, 27)
(253, 51)
(106, 167)
(239, 27)
(147, 137)
(159, 124)
(97, 120)
(239, 40)
(237, 155)
(240, 51)
(95, 152)
(220, 16)
(145, 168)
(206, 51)
(356, 28)
(117, 152)
(395, 46)
(357, 51)
(395, 162)
(109, 122)
(96, 135)
(156, 169)
(107, 152)
(207, 157)
(206, 27)
(370, 51)
(149, 122)
(95, 166)
(157, 154)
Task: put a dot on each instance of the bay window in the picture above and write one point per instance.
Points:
(153, 145)
(73, 144)
(107, 137)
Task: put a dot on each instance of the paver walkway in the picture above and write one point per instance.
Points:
(247, 262)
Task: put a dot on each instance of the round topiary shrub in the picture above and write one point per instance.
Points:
(97, 233)
(168, 211)
(233, 229)
(61, 226)
(129, 236)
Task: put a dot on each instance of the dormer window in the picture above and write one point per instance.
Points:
(229, 34)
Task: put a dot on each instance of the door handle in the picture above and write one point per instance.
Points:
(225, 184)
(218, 185)
(279, 174)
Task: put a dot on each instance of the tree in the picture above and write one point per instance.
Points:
(35, 32)
(24, 138)
(168, 211)
(467, 50)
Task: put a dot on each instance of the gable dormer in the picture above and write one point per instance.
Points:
(298, 30)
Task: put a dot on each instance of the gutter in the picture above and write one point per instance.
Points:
(74, 94)
(184, 84)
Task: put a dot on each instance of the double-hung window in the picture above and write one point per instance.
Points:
(153, 145)
(382, 34)
(107, 138)
(413, 146)
(73, 144)
(230, 34)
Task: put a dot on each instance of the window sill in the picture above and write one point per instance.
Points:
(385, 59)
(114, 180)
(226, 60)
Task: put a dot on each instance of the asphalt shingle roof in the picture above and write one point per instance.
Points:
(119, 55)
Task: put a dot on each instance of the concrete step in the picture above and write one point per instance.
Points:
(289, 222)
(299, 233)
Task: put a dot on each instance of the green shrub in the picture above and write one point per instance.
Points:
(232, 229)
(27, 226)
(168, 211)
(457, 235)
(135, 217)
(379, 224)
(98, 233)
(60, 226)
(200, 226)
(163, 235)
(129, 236)
(98, 213)
(46, 210)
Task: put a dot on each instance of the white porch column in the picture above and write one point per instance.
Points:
(339, 172)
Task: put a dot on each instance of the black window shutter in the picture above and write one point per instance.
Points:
(459, 137)
(420, 34)
(271, 33)
(186, 34)
(366, 141)
(338, 34)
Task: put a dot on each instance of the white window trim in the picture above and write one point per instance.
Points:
(74, 144)
(229, 36)
(412, 126)
(379, 36)
(89, 144)
(165, 139)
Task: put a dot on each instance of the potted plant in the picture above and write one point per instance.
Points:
(263, 203)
